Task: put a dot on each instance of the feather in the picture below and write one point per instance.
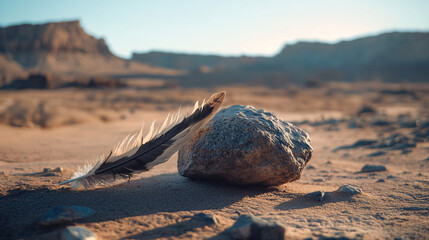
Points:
(136, 154)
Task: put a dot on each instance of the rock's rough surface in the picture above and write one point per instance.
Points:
(244, 145)
(62, 214)
(250, 227)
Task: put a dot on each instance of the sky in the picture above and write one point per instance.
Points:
(225, 27)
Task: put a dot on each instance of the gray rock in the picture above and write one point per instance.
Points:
(244, 145)
(208, 218)
(77, 233)
(250, 227)
(62, 214)
(319, 180)
(349, 189)
(318, 196)
(373, 168)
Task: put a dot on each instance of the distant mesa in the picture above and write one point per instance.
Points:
(65, 48)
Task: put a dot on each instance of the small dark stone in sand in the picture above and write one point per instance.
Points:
(2, 173)
(405, 151)
(77, 233)
(366, 109)
(209, 218)
(311, 167)
(319, 180)
(318, 196)
(376, 154)
(62, 214)
(250, 227)
(373, 168)
(350, 189)
(57, 169)
(390, 177)
(381, 180)
(404, 146)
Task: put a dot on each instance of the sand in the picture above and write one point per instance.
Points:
(159, 204)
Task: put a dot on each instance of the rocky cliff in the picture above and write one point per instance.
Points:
(65, 48)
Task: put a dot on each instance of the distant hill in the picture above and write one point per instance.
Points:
(392, 57)
(193, 62)
(65, 48)
(396, 56)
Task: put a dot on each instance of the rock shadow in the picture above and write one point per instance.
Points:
(21, 208)
(308, 201)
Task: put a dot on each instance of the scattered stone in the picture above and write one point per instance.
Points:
(2, 173)
(355, 123)
(328, 162)
(350, 189)
(62, 214)
(250, 227)
(318, 196)
(404, 146)
(77, 233)
(57, 169)
(365, 109)
(209, 218)
(394, 140)
(244, 145)
(381, 180)
(405, 151)
(376, 154)
(312, 167)
(390, 177)
(319, 180)
(373, 168)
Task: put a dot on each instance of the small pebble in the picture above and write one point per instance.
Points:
(250, 227)
(373, 168)
(209, 218)
(77, 233)
(381, 180)
(62, 214)
(319, 180)
(318, 196)
(350, 189)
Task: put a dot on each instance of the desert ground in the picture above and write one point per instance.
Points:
(68, 127)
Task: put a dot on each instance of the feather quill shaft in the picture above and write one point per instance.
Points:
(137, 154)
